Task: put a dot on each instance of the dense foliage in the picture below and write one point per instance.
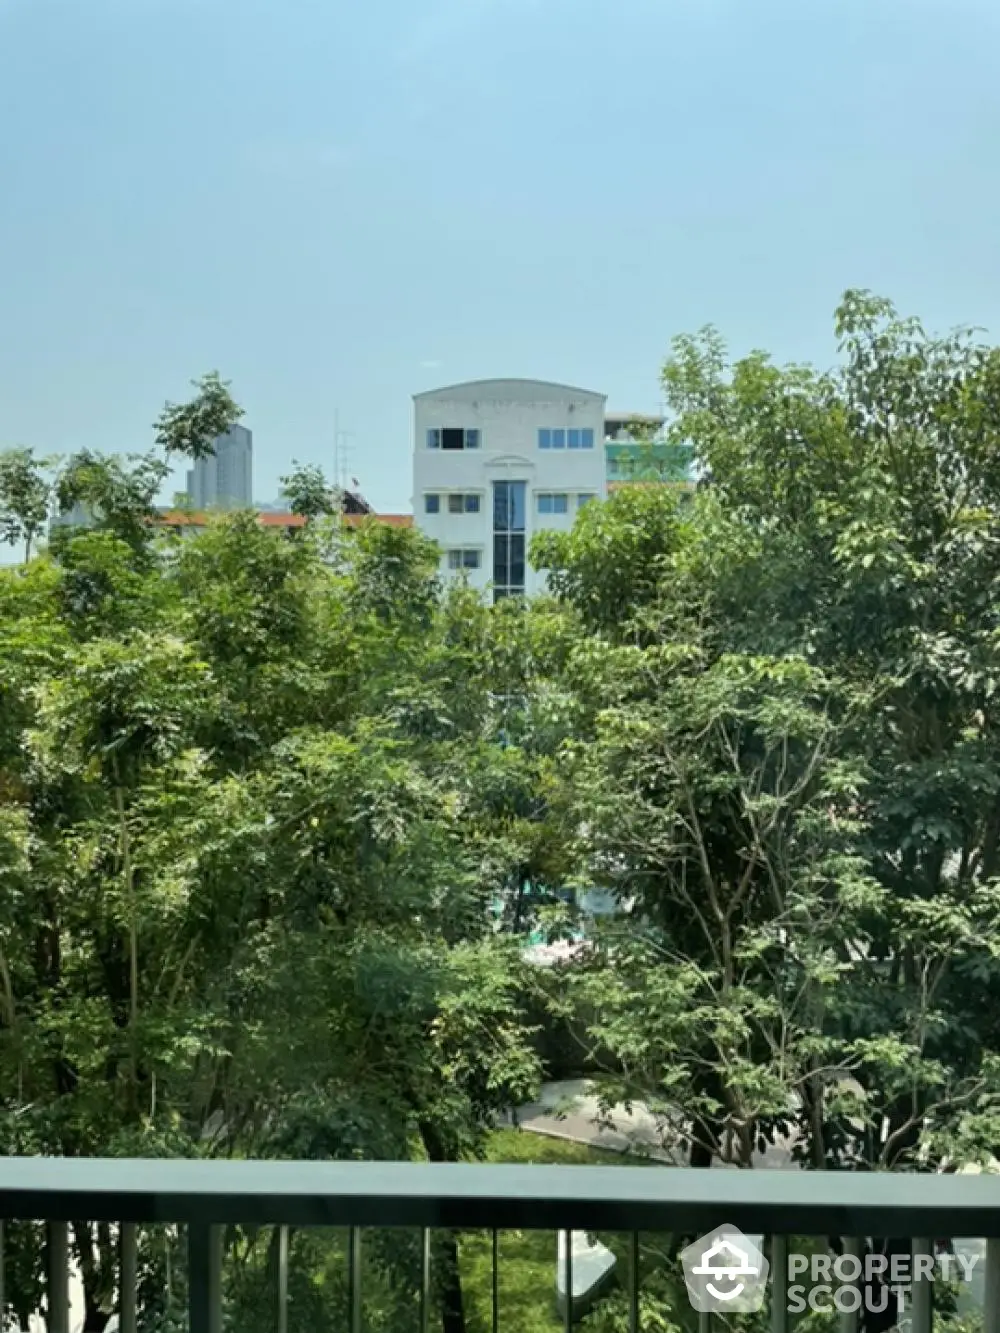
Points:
(258, 795)
(793, 772)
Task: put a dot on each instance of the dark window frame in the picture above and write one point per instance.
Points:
(454, 438)
(510, 523)
(462, 558)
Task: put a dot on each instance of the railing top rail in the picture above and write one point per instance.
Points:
(610, 1198)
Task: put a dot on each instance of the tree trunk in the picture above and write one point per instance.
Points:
(518, 904)
(97, 1263)
(452, 1304)
(700, 1155)
(812, 1107)
(133, 936)
(902, 1143)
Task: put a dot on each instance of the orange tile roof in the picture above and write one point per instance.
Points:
(393, 520)
(180, 518)
(267, 519)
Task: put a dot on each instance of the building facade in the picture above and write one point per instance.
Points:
(494, 462)
(224, 480)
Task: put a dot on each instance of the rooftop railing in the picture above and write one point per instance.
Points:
(205, 1197)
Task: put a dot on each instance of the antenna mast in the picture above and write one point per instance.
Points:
(341, 454)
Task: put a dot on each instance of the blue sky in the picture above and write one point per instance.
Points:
(338, 205)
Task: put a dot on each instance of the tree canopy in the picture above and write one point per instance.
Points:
(261, 797)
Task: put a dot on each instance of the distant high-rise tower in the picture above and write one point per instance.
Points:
(225, 479)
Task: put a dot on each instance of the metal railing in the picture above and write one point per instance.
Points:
(206, 1196)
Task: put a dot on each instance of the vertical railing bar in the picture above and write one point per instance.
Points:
(128, 1245)
(57, 1290)
(779, 1284)
(354, 1279)
(569, 1281)
(922, 1297)
(3, 1274)
(633, 1283)
(204, 1277)
(282, 1279)
(496, 1281)
(848, 1320)
(991, 1295)
(425, 1280)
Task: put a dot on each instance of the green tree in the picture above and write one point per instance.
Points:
(192, 428)
(863, 505)
(614, 557)
(847, 527)
(224, 810)
(25, 497)
(115, 494)
(308, 492)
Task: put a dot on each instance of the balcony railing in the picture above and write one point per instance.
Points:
(205, 1197)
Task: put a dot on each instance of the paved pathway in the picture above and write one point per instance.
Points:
(569, 1110)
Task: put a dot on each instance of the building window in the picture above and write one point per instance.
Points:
(584, 498)
(566, 439)
(465, 559)
(553, 502)
(508, 538)
(453, 437)
(432, 504)
(463, 504)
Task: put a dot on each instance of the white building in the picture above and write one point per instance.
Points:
(224, 480)
(494, 462)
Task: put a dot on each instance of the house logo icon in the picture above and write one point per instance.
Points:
(725, 1270)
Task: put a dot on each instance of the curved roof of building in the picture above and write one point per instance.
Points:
(527, 391)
